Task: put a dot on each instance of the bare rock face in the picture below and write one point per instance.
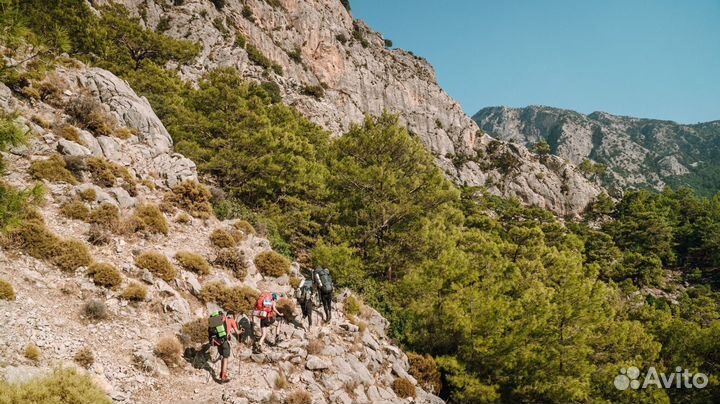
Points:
(149, 153)
(637, 152)
(318, 44)
(128, 108)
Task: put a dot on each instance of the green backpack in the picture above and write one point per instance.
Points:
(216, 326)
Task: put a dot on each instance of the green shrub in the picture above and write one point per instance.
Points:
(314, 91)
(105, 274)
(232, 260)
(71, 254)
(222, 239)
(75, 209)
(106, 216)
(196, 331)
(63, 386)
(270, 263)
(32, 352)
(403, 388)
(295, 55)
(85, 357)
(257, 57)
(193, 262)
(239, 299)
(52, 169)
(425, 370)
(191, 196)
(134, 292)
(6, 291)
(88, 194)
(248, 13)
(148, 218)
(352, 306)
(156, 263)
(169, 349)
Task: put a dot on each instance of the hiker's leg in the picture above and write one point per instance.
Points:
(326, 300)
(262, 337)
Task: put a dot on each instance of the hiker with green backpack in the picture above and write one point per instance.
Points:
(324, 285)
(220, 328)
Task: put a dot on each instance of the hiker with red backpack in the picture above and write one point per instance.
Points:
(220, 328)
(267, 312)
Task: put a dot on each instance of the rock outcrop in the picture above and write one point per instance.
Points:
(638, 153)
(318, 45)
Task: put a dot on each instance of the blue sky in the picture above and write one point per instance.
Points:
(645, 58)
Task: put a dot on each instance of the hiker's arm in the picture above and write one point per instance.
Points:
(276, 310)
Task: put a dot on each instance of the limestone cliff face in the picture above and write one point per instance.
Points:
(318, 43)
(638, 153)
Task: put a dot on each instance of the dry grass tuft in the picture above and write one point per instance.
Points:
(239, 299)
(105, 173)
(169, 349)
(135, 292)
(183, 218)
(193, 262)
(95, 310)
(287, 307)
(6, 291)
(32, 352)
(191, 196)
(156, 263)
(88, 113)
(232, 260)
(105, 274)
(270, 263)
(403, 388)
(148, 218)
(71, 254)
(299, 397)
(425, 370)
(222, 239)
(315, 346)
(196, 331)
(52, 169)
(88, 194)
(245, 227)
(106, 216)
(75, 209)
(85, 357)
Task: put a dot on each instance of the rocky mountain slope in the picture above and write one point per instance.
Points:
(336, 69)
(638, 153)
(345, 364)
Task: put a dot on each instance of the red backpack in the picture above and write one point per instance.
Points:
(264, 306)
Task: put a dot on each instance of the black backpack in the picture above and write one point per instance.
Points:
(325, 280)
(216, 327)
(304, 291)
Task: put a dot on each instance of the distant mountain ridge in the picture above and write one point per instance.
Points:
(637, 153)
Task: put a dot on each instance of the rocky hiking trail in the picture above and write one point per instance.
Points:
(335, 362)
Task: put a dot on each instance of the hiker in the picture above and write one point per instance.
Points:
(303, 294)
(219, 329)
(323, 280)
(267, 312)
(232, 326)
